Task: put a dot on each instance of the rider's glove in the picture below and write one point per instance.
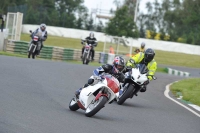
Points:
(131, 61)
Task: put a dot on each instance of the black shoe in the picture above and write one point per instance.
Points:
(81, 56)
(143, 89)
(77, 93)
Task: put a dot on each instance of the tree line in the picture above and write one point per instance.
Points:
(169, 20)
(63, 13)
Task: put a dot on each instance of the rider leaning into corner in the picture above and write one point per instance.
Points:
(90, 40)
(146, 58)
(115, 69)
(42, 30)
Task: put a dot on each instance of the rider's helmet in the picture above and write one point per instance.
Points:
(149, 55)
(142, 45)
(91, 35)
(118, 64)
(43, 27)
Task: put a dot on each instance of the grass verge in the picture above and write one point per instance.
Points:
(162, 57)
(189, 89)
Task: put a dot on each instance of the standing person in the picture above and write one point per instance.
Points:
(111, 50)
(41, 31)
(146, 58)
(142, 47)
(90, 40)
(115, 69)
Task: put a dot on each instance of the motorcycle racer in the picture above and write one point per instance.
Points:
(146, 58)
(90, 40)
(115, 69)
(41, 31)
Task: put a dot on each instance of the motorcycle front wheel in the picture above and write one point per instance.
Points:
(73, 105)
(125, 95)
(94, 107)
(32, 52)
(85, 59)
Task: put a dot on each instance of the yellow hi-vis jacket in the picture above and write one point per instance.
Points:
(152, 66)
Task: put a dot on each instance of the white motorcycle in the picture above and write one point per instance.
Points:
(94, 97)
(134, 82)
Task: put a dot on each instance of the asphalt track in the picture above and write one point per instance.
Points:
(34, 98)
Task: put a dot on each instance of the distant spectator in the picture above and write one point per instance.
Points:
(111, 50)
(142, 48)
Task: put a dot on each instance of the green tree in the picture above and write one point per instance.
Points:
(100, 27)
(122, 24)
(89, 25)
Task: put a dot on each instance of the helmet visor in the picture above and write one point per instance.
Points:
(148, 57)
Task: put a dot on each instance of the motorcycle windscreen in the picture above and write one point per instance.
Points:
(142, 68)
(112, 83)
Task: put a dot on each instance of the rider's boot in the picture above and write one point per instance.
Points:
(77, 93)
(143, 89)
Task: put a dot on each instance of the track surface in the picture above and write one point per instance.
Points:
(34, 98)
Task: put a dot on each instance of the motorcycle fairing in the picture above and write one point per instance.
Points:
(138, 77)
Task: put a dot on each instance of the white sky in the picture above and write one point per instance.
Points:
(108, 4)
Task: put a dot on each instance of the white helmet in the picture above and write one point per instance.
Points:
(91, 35)
(142, 44)
(43, 27)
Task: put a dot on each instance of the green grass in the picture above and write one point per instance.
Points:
(162, 57)
(189, 89)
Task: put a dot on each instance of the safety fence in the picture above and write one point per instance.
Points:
(48, 52)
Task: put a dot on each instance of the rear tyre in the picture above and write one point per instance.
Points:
(93, 108)
(125, 95)
(73, 105)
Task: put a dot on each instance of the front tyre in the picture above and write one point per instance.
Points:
(93, 108)
(30, 52)
(125, 95)
(73, 105)
(84, 59)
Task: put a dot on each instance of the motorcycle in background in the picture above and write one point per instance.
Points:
(94, 97)
(134, 82)
(86, 56)
(33, 48)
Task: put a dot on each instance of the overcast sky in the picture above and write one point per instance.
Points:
(108, 4)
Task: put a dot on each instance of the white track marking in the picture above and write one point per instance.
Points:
(166, 93)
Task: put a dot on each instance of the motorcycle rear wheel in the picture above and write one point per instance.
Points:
(93, 108)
